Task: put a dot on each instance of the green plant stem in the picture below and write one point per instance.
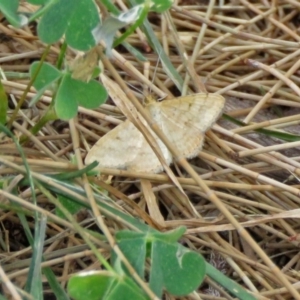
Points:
(3, 104)
(132, 28)
(110, 6)
(50, 115)
(61, 56)
(22, 99)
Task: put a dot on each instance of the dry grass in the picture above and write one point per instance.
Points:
(242, 209)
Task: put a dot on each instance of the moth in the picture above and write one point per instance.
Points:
(184, 121)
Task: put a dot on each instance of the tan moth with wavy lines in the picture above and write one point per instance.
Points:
(184, 121)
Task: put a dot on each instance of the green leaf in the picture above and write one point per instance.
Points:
(72, 206)
(3, 104)
(171, 236)
(135, 248)
(90, 285)
(9, 9)
(72, 93)
(76, 19)
(176, 268)
(47, 76)
(96, 285)
(46, 4)
(173, 267)
(65, 104)
(129, 235)
(126, 289)
(38, 2)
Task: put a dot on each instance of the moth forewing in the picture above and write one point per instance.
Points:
(126, 147)
(109, 149)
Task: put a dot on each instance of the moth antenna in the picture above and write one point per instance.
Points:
(148, 91)
(155, 69)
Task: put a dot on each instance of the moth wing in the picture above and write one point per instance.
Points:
(124, 147)
(118, 148)
(185, 120)
(147, 160)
